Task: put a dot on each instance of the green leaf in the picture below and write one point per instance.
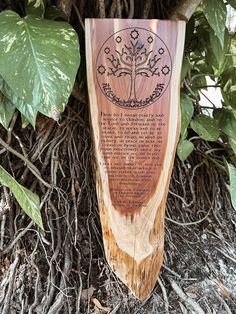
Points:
(216, 47)
(232, 3)
(7, 110)
(232, 99)
(24, 121)
(199, 80)
(189, 31)
(215, 12)
(229, 99)
(206, 127)
(227, 121)
(187, 109)
(28, 200)
(232, 179)
(219, 52)
(185, 68)
(184, 149)
(1, 82)
(232, 144)
(39, 60)
(28, 111)
(228, 77)
(211, 61)
(35, 7)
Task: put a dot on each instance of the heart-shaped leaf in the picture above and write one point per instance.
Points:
(28, 200)
(184, 149)
(206, 127)
(39, 60)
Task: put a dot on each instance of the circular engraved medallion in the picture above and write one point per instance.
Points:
(133, 68)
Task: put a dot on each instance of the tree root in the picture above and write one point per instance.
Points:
(187, 300)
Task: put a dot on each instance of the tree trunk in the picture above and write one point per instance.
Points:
(132, 95)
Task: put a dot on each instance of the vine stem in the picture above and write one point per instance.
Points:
(78, 15)
(31, 166)
(12, 275)
(214, 106)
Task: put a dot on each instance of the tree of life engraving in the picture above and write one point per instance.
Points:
(130, 54)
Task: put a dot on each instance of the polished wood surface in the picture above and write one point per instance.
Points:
(133, 72)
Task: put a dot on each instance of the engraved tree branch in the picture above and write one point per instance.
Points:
(116, 69)
(133, 60)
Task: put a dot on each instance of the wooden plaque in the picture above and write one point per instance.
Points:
(133, 72)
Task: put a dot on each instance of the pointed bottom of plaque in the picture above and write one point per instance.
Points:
(139, 277)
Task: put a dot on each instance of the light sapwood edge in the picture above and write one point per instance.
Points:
(135, 268)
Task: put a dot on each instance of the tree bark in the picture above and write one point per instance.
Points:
(65, 6)
(185, 10)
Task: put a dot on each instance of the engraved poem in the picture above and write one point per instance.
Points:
(132, 144)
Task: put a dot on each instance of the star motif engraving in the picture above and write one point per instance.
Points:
(129, 53)
(161, 51)
(107, 50)
(134, 34)
(101, 69)
(118, 39)
(165, 70)
(150, 39)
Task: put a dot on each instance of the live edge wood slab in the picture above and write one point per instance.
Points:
(133, 73)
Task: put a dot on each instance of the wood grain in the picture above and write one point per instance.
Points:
(133, 73)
